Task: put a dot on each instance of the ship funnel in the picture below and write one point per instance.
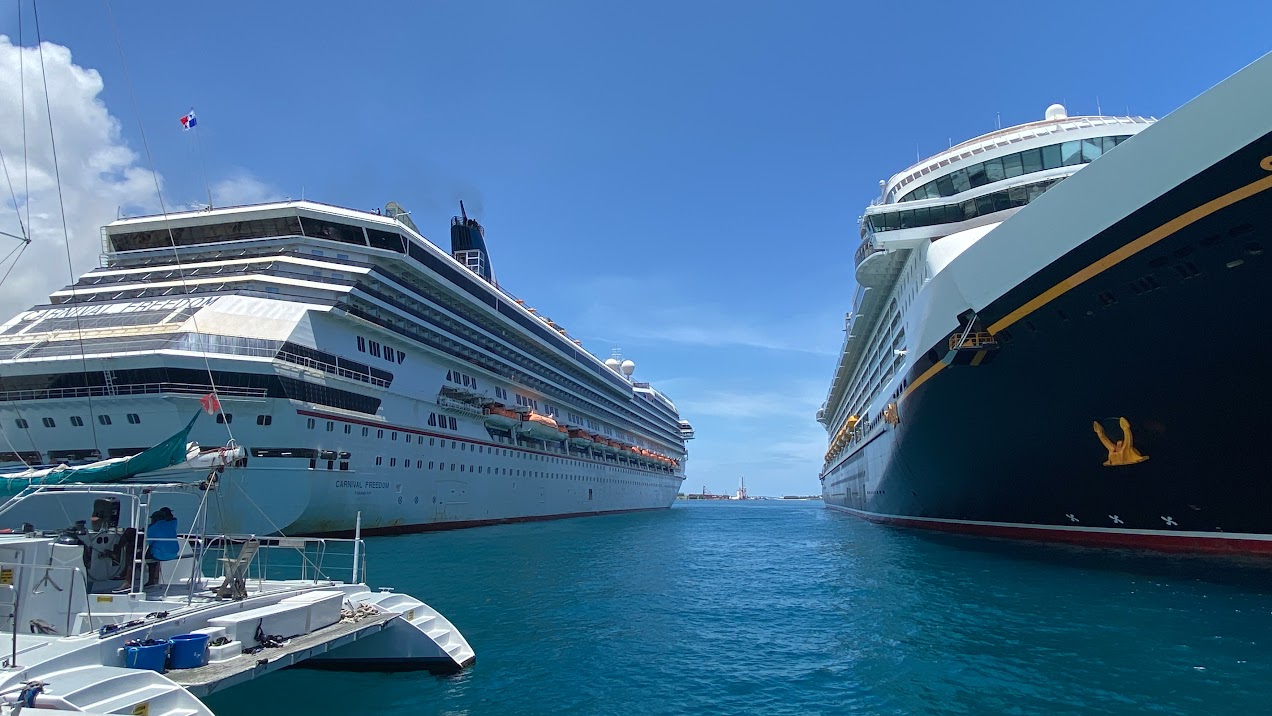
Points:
(468, 244)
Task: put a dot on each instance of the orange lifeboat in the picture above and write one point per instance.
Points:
(580, 438)
(539, 426)
(501, 417)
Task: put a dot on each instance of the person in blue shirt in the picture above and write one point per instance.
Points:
(161, 546)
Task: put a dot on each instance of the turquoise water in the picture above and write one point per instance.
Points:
(783, 607)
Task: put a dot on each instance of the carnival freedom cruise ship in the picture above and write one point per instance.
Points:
(360, 368)
(1057, 333)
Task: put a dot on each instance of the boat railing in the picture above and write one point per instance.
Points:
(49, 581)
(307, 559)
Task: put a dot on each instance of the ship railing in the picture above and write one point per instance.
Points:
(866, 249)
(305, 559)
(977, 339)
(308, 362)
(131, 389)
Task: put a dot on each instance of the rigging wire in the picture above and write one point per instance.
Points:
(26, 165)
(176, 254)
(66, 236)
(23, 424)
(14, 197)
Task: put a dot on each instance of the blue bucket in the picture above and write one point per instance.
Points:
(189, 651)
(151, 654)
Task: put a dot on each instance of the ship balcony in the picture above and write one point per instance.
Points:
(868, 248)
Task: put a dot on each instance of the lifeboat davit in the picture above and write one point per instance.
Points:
(498, 416)
(539, 426)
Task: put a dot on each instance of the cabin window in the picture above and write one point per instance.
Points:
(134, 419)
(362, 344)
(103, 419)
(309, 423)
(264, 419)
(77, 421)
(21, 423)
(317, 228)
(227, 418)
(48, 423)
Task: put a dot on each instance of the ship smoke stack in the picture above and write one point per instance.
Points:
(468, 244)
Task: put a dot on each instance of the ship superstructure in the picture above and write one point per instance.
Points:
(1017, 360)
(362, 367)
(954, 197)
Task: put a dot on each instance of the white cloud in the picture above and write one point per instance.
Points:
(749, 404)
(650, 309)
(714, 331)
(243, 189)
(100, 174)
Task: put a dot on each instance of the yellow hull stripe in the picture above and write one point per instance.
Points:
(1121, 254)
(1130, 249)
(980, 355)
(936, 368)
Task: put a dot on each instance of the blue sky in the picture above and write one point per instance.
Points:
(681, 180)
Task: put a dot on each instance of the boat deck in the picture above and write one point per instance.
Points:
(208, 679)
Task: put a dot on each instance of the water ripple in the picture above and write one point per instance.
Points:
(787, 608)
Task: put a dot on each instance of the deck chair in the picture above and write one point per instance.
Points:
(235, 568)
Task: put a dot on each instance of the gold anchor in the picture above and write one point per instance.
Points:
(1122, 452)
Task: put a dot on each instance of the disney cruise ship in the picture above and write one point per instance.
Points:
(361, 368)
(1057, 329)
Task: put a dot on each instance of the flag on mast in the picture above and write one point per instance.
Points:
(188, 121)
(210, 404)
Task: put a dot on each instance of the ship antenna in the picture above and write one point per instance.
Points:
(463, 213)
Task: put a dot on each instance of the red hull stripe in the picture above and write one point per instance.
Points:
(461, 524)
(1200, 542)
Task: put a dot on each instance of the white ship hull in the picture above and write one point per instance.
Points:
(437, 481)
(399, 387)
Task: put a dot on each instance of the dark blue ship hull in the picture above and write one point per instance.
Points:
(1163, 319)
